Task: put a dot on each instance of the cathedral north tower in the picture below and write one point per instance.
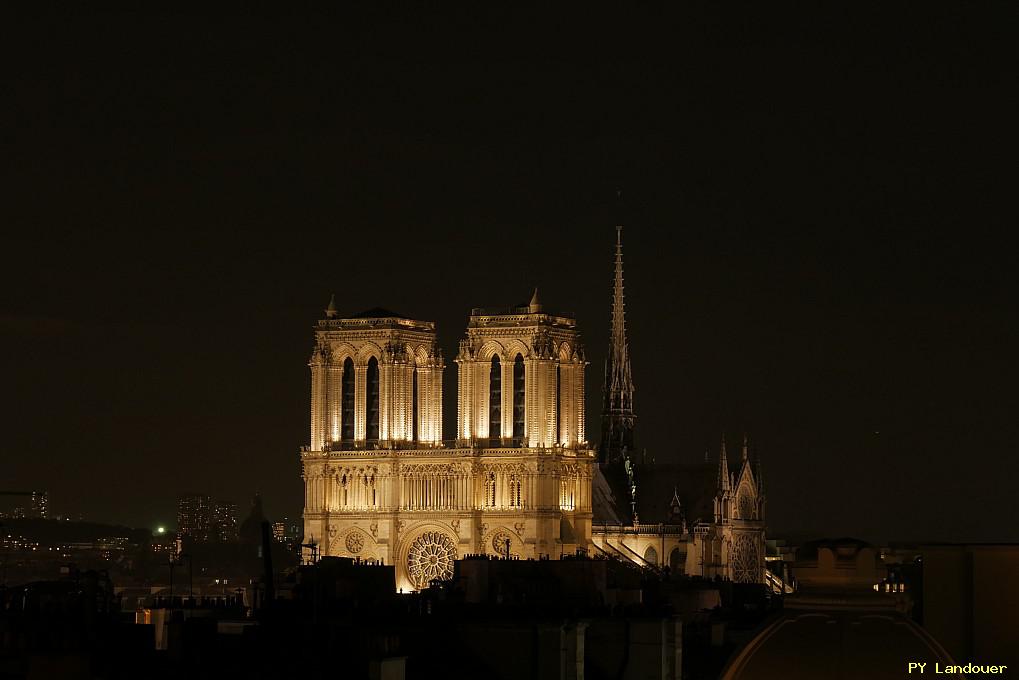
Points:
(376, 381)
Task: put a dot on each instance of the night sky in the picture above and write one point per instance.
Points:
(817, 207)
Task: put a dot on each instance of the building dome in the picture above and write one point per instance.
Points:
(837, 625)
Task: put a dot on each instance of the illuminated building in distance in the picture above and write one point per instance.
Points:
(704, 519)
(203, 519)
(224, 522)
(194, 518)
(40, 504)
(380, 482)
(24, 504)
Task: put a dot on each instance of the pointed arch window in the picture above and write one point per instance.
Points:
(745, 504)
(347, 401)
(558, 406)
(414, 406)
(518, 397)
(372, 401)
(495, 399)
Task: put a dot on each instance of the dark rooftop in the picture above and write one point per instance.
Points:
(695, 484)
(378, 313)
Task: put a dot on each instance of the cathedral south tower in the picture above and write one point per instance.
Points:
(521, 378)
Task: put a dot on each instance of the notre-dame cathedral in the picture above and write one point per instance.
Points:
(520, 478)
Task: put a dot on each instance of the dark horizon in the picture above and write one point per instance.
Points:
(816, 220)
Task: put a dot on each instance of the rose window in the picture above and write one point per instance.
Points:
(431, 558)
(355, 541)
(499, 543)
(745, 559)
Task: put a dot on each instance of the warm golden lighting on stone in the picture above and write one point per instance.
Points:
(380, 484)
(380, 359)
(546, 347)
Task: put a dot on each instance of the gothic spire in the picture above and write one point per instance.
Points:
(723, 468)
(620, 393)
(744, 455)
(534, 306)
(331, 309)
(617, 391)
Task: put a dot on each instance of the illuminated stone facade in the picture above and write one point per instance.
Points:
(642, 509)
(539, 367)
(518, 476)
(377, 378)
(700, 520)
(738, 536)
(380, 482)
